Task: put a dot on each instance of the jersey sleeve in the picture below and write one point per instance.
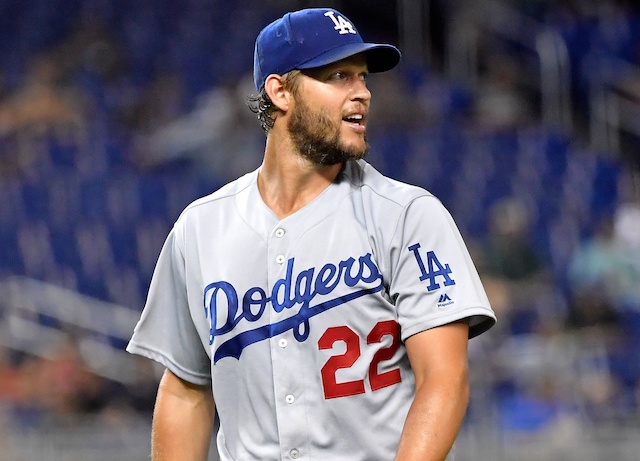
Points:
(434, 280)
(166, 332)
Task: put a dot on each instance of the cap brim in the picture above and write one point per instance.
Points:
(380, 58)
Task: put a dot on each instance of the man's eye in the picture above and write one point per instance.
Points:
(338, 75)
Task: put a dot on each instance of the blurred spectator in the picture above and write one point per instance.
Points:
(500, 103)
(509, 253)
(37, 389)
(604, 273)
(604, 282)
(218, 133)
(517, 278)
(46, 99)
(627, 238)
(62, 384)
(396, 105)
(10, 387)
(531, 360)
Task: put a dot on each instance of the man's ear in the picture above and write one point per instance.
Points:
(274, 87)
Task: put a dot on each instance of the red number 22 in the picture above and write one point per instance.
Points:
(332, 388)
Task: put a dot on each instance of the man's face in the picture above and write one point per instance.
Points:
(328, 120)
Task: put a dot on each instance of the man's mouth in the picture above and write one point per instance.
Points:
(355, 118)
(356, 122)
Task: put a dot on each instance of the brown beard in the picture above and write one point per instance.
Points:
(317, 139)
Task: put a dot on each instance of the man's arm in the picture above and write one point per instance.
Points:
(182, 420)
(439, 361)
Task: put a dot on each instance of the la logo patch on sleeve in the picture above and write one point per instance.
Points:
(433, 270)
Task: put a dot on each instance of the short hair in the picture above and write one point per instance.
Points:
(263, 107)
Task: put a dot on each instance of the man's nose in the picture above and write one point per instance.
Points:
(359, 90)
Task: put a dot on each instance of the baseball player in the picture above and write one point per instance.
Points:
(323, 307)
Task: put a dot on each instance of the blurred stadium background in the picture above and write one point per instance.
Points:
(523, 117)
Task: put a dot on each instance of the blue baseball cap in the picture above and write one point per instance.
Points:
(314, 37)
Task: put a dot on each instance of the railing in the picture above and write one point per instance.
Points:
(614, 101)
(35, 316)
(614, 109)
(614, 93)
(501, 21)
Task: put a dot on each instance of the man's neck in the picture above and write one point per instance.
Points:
(288, 182)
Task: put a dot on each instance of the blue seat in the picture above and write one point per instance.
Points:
(123, 245)
(605, 186)
(10, 258)
(63, 152)
(93, 199)
(152, 195)
(65, 251)
(35, 199)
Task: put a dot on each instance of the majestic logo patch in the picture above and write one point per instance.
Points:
(433, 269)
(341, 24)
(226, 311)
(444, 300)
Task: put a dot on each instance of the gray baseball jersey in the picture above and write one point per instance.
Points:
(299, 324)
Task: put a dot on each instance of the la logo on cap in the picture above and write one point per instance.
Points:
(341, 24)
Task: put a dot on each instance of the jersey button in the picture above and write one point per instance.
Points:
(279, 233)
(282, 342)
(280, 259)
(295, 454)
(289, 398)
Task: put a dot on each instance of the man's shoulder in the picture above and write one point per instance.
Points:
(220, 197)
(380, 187)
